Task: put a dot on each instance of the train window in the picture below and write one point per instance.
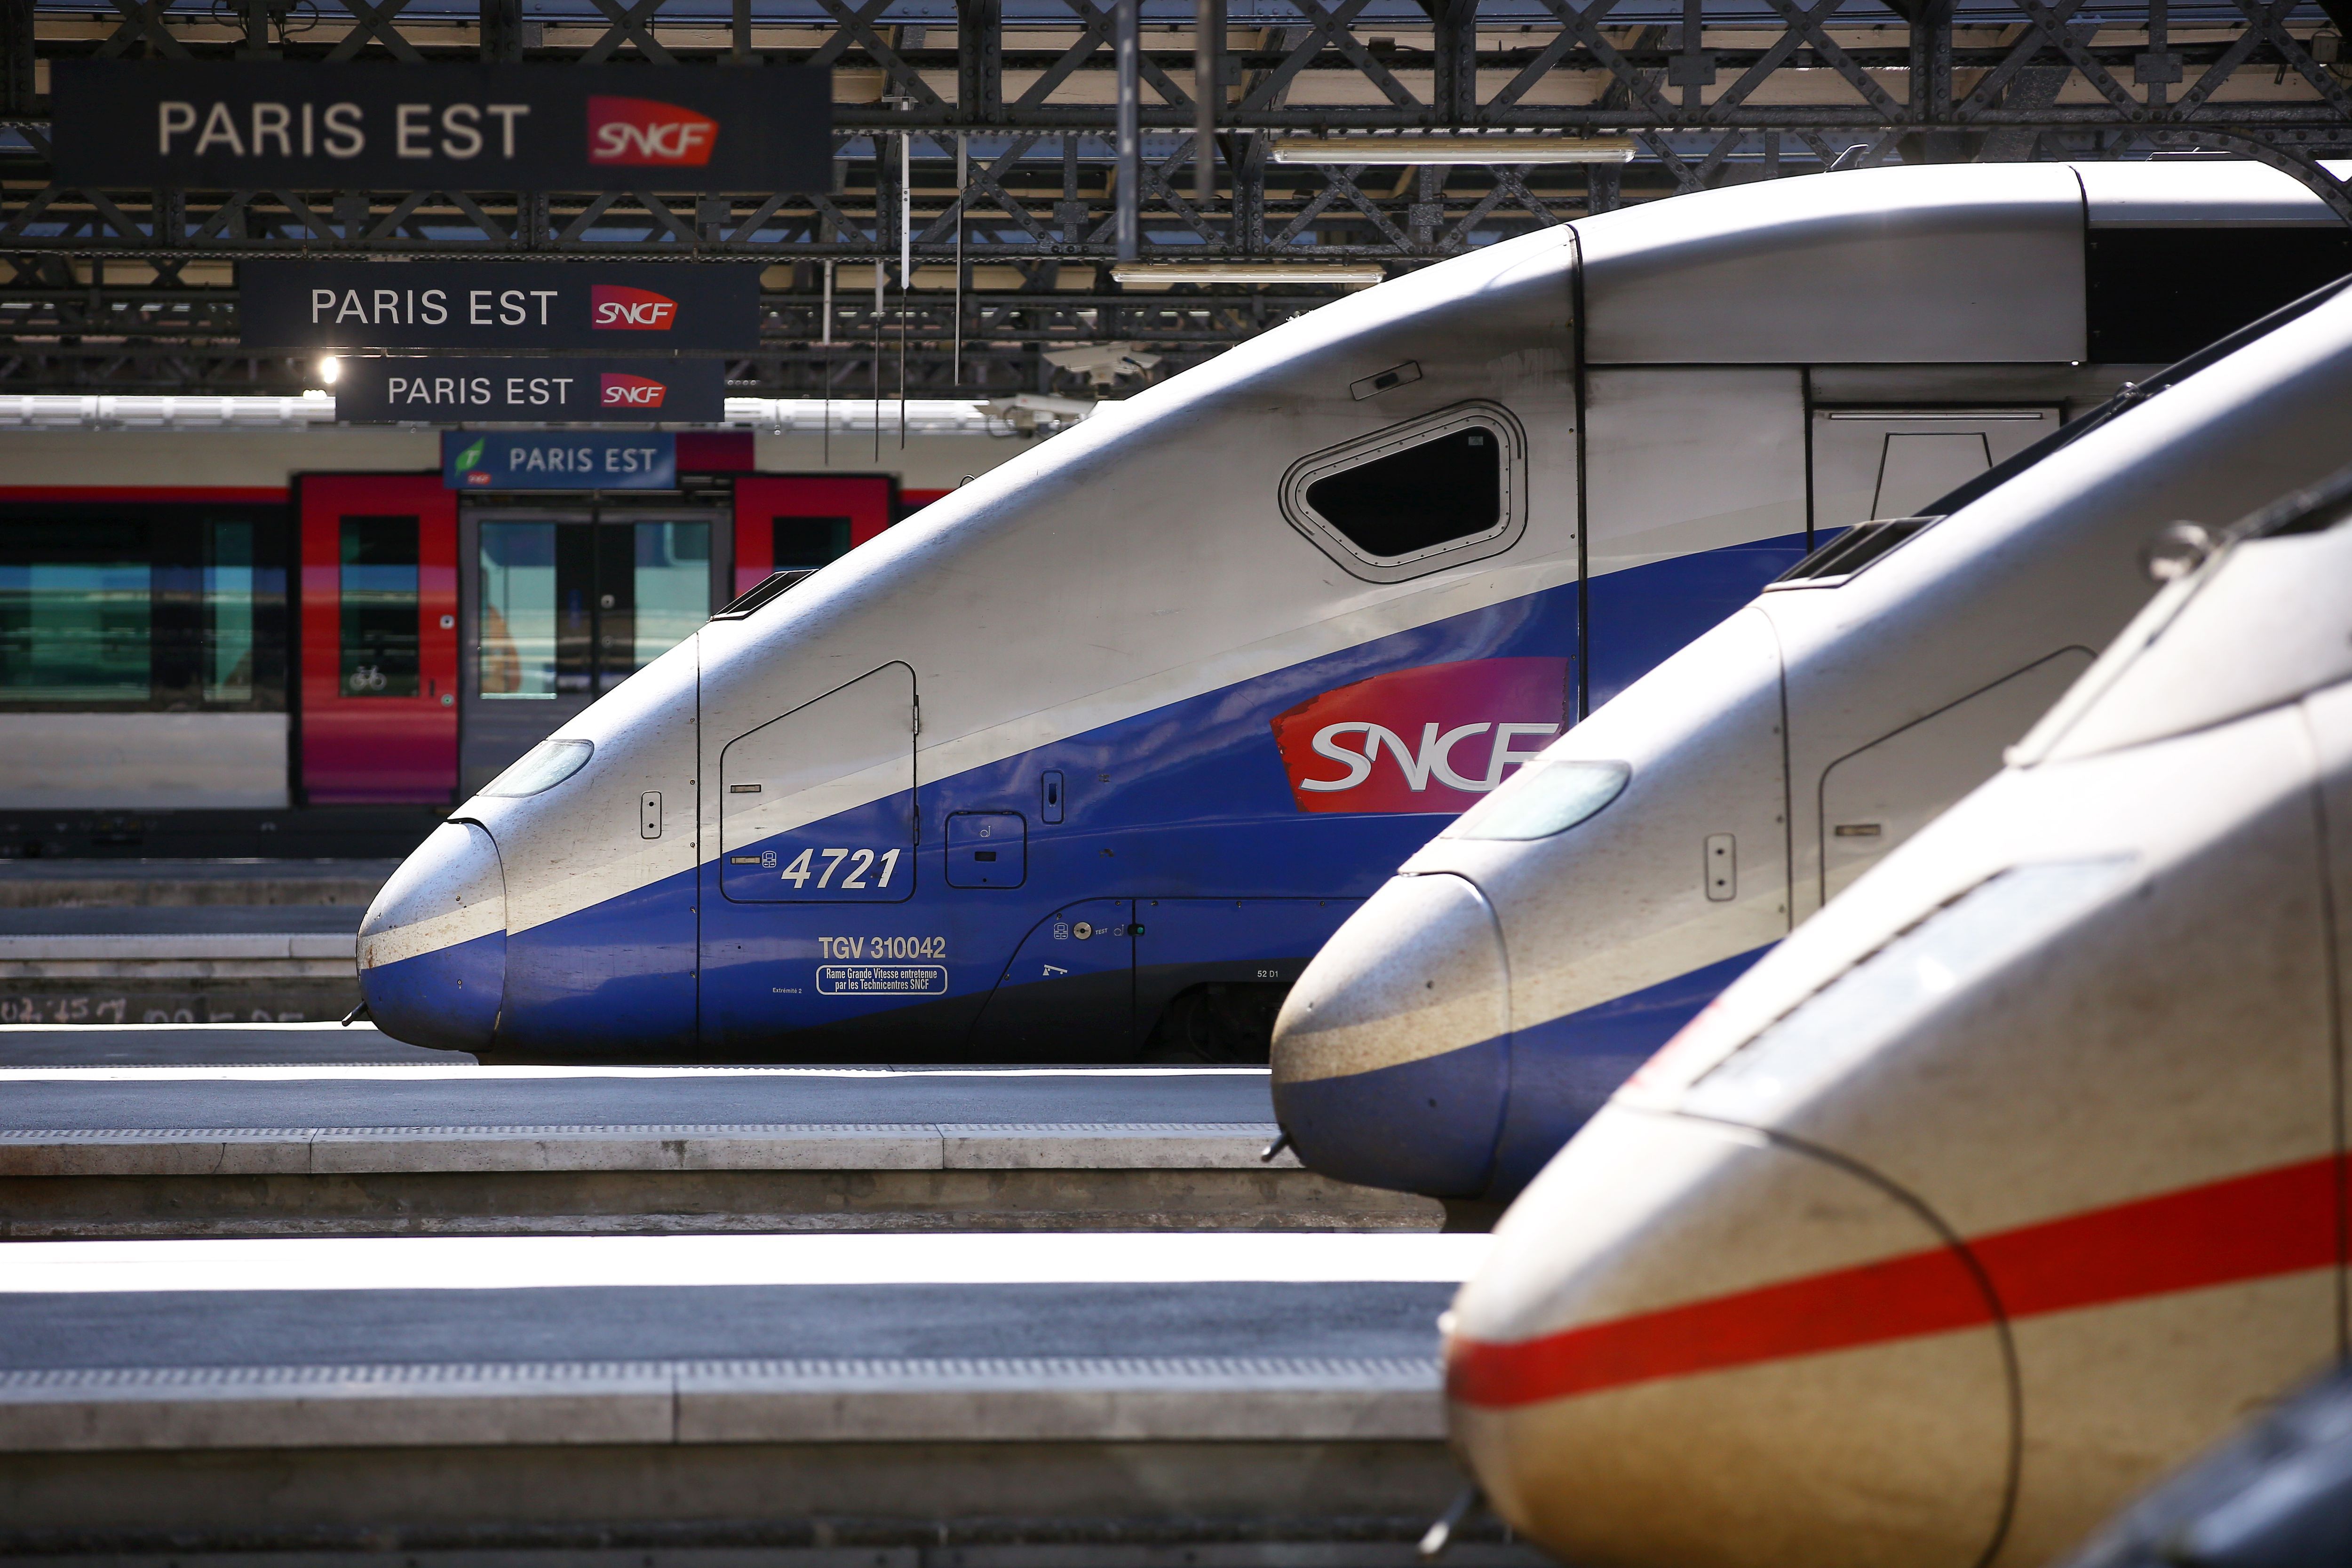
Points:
(229, 582)
(1433, 492)
(142, 606)
(517, 563)
(809, 542)
(575, 607)
(1544, 798)
(77, 614)
(1850, 551)
(759, 594)
(542, 768)
(378, 586)
(670, 579)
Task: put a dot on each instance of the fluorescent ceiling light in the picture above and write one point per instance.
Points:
(1248, 272)
(1448, 149)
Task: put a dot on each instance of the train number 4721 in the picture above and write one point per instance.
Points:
(861, 864)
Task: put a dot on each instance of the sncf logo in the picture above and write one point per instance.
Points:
(614, 308)
(1433, 739)
(645, 132)
(616, 391)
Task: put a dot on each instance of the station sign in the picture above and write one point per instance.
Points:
(559, 460)
(506, 306)
(396, 391)
(286, 124)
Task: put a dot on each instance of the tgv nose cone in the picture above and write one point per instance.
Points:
(1390, 1056)
(432, 948)
(1696, 1347)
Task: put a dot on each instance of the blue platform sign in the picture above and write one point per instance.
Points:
(559, 460)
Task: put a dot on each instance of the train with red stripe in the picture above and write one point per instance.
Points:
(2012, 1179)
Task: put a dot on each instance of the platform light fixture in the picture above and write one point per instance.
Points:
(1354, 274)
(329, 368)
(1501, 148)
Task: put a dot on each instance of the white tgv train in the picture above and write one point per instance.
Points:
(1458, 1029)
(2009, 1181)
(1092, 755)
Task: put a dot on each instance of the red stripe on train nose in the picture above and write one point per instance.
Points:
(2249, 1227)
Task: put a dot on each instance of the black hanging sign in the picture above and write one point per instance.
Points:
(273, 124)
(391, 391)
(629, 307)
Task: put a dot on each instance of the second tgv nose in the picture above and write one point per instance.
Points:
(432, 948)
(1392, 1056)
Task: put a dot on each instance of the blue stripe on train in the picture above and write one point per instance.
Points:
(1187, 801)
(1480, 1120)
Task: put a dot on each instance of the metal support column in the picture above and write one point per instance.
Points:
(502, 31)
(1208, 94)
(1454, 90)
(980, 60)
(1130, 132)
(16, 58)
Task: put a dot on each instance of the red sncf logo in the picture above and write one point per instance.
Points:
(1433, 739)
(617, 391)
(645, 132)
(613, 309)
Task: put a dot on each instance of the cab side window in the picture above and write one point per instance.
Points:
(1430, 493)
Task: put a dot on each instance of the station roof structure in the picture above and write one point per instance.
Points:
(1001, 114)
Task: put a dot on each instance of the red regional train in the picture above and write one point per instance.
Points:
(187, 666)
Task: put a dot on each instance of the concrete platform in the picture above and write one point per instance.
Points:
(191, 958)
(196, 1151)
(115, 884)
(218, 1045)
(803, 1392)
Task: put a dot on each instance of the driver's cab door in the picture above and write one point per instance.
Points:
(818, 805)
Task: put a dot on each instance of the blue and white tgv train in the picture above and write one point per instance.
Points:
(1468, 1020)
(1092, 756)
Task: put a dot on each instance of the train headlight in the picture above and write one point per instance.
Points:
(1542, 799)
(1894, 988)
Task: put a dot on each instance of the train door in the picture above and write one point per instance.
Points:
(1878, 796)
(562, 602)
(1870, 463)
(788, 520)
(818, 805)
(816, 815)
(379, 638)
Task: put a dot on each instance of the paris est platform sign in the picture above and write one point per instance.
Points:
(274, 124)
(559, 460)
(419, 391)
(618, 307)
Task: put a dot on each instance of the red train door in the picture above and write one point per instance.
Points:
(379, 638)
(790, 520)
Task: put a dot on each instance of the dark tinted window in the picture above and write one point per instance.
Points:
(379, 606)
(2157, 294)
(1432, 494)
(810, 542)
(1855, 549)
(142, 606)
(765, 589)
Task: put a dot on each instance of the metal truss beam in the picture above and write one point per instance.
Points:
(122, 290)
